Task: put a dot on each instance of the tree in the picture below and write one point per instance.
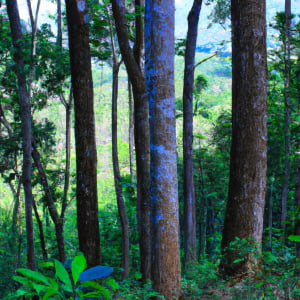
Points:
(287, 111)
(141, 135)
(159, 70)
(25, 112)
(246, 199)
(86, 157)
(188, 173)
(115, 157)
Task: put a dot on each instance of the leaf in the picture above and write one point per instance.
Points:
(50, 292)
(24, 281)
(33, 275)
(63, 275)
(20, 293)
(95, 273)
(294, 238)
(78, 265)
(39, 288)
(92, 284)
(111, 283)
(46, 264)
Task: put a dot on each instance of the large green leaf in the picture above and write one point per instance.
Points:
(33, 275)
(24, 281)
(63, 275)
(78, 265)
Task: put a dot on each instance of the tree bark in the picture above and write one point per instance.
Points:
(25, 112)
(86, 157)
(248, 162)
(188, 171)
(131, 130)
(116, 169)
(68, 108)
(159, 69)
(141, 136)
(287, 114)
(117, 176)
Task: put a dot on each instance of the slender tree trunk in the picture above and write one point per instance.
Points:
(117, 175)
(16, 212)
(115, 158)
(203, 227)
(41, 231)
(68, 107)
(159, 66)
(131, 129)
(141, 136)
(297, 224)
(58, 223)
(188, 171)
(25, 112)
(59, 24)
(287, 114)
(86, 157)
(248, 161)
(270, 218)
(33, 21)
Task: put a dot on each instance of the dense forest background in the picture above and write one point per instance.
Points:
(47, 69)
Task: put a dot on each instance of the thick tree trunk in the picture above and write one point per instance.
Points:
(141, 136)
(117, 175)
(86, 157)
(159, 66)
(188, 171)
(25, 112)
(246, 200)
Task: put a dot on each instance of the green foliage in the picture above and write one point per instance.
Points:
(132, 289)
(61, 286)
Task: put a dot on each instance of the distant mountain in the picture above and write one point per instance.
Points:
(209, 39)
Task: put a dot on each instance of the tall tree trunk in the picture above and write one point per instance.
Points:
(297, 224)
(86, 157)
(25, 112)
(188, 171)
(117, 175)
(287, 113)
(68, 108)
(159, 66)
(115, 158)
(141, 136)
(248, 161)
(131, 129)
